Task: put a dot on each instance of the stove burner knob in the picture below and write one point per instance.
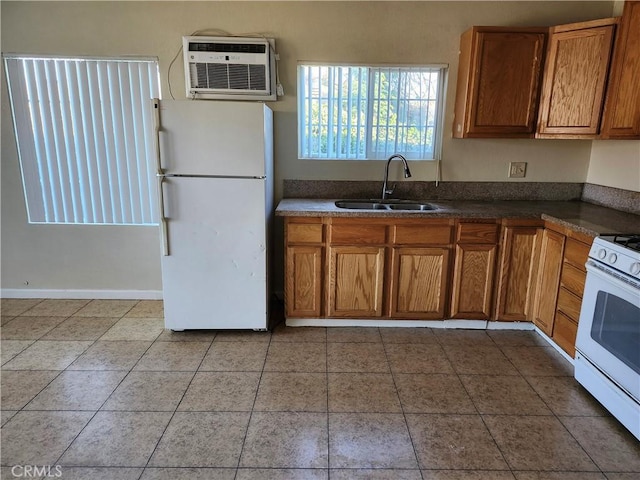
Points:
(635, 268)
(602, 254)
(613, 258)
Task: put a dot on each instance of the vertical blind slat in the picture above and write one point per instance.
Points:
(88, 143)
(38, 102)
(119, 132)
(60, 177)
(71, 196)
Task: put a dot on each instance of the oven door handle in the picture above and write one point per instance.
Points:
(606, 274)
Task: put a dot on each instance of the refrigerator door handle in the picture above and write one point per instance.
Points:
(164, 238)
(155, 104)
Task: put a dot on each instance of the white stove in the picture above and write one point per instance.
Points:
(607, 361)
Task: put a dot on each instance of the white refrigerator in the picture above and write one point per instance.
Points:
(215, 184)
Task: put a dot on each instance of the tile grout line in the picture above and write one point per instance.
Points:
(404, 414)
(326, 382)
(255, 397)
(502, 454)
(175, 410)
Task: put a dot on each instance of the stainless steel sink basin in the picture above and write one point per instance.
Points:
(385, 205)
(411, 206)
(360, 205)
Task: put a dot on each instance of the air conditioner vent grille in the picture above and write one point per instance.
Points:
(227, 47)
(228, 76)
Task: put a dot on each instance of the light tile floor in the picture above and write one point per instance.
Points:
(99, 390)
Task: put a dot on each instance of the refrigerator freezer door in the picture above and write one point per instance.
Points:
(215, 274)
(200, 137)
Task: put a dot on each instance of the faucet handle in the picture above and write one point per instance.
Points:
(389, 191)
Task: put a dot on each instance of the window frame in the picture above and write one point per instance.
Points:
(443, 69)
(72, 103)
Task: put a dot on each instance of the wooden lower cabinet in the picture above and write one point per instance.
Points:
(356, 281)
(564, 333)
(303, 288)
(473, 281)
(304, 266)
(560, 284)
(572, 280)
(419, 282)
(474, 268)
(517, 273)
(434, 269)
(551, 252)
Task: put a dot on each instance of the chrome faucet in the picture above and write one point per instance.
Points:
(407, 173)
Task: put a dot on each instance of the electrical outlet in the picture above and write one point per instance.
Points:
(517, 169)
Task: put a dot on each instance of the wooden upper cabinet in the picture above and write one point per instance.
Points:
(498, 82)
(575, 78)
(621, 118)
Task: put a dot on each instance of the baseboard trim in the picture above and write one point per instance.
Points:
(554, 345)
(451, 324)
(82, 294)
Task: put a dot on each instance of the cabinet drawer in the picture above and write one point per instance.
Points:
(576, 253)
(573, 279)
(358, 234)
(569, 304)
(564, 333)
(477, 233)
(422, 235)
(304, 233)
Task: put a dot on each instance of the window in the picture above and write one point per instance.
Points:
(84, 130)
(369, 113)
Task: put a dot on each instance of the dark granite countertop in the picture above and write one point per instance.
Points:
(580, 216)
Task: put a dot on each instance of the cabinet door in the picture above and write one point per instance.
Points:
(303, 288)
(551, 252)
(419, 282)
(356, 281)
(621, 118)
(564, 333)
(498, 82)
(516, 275)
(473, 281)
(574, 80)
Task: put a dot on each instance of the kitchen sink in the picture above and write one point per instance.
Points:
(385, 205)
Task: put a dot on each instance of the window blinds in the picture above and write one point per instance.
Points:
(365, 112)
(84, 131)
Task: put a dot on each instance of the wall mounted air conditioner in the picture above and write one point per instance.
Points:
(231, 68)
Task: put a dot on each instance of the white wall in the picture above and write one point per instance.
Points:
(615, 163)
(126, 258)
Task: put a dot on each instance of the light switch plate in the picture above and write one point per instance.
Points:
(517, 169)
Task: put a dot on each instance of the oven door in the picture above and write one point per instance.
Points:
(609, 328)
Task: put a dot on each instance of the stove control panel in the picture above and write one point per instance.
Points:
(607, 251)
